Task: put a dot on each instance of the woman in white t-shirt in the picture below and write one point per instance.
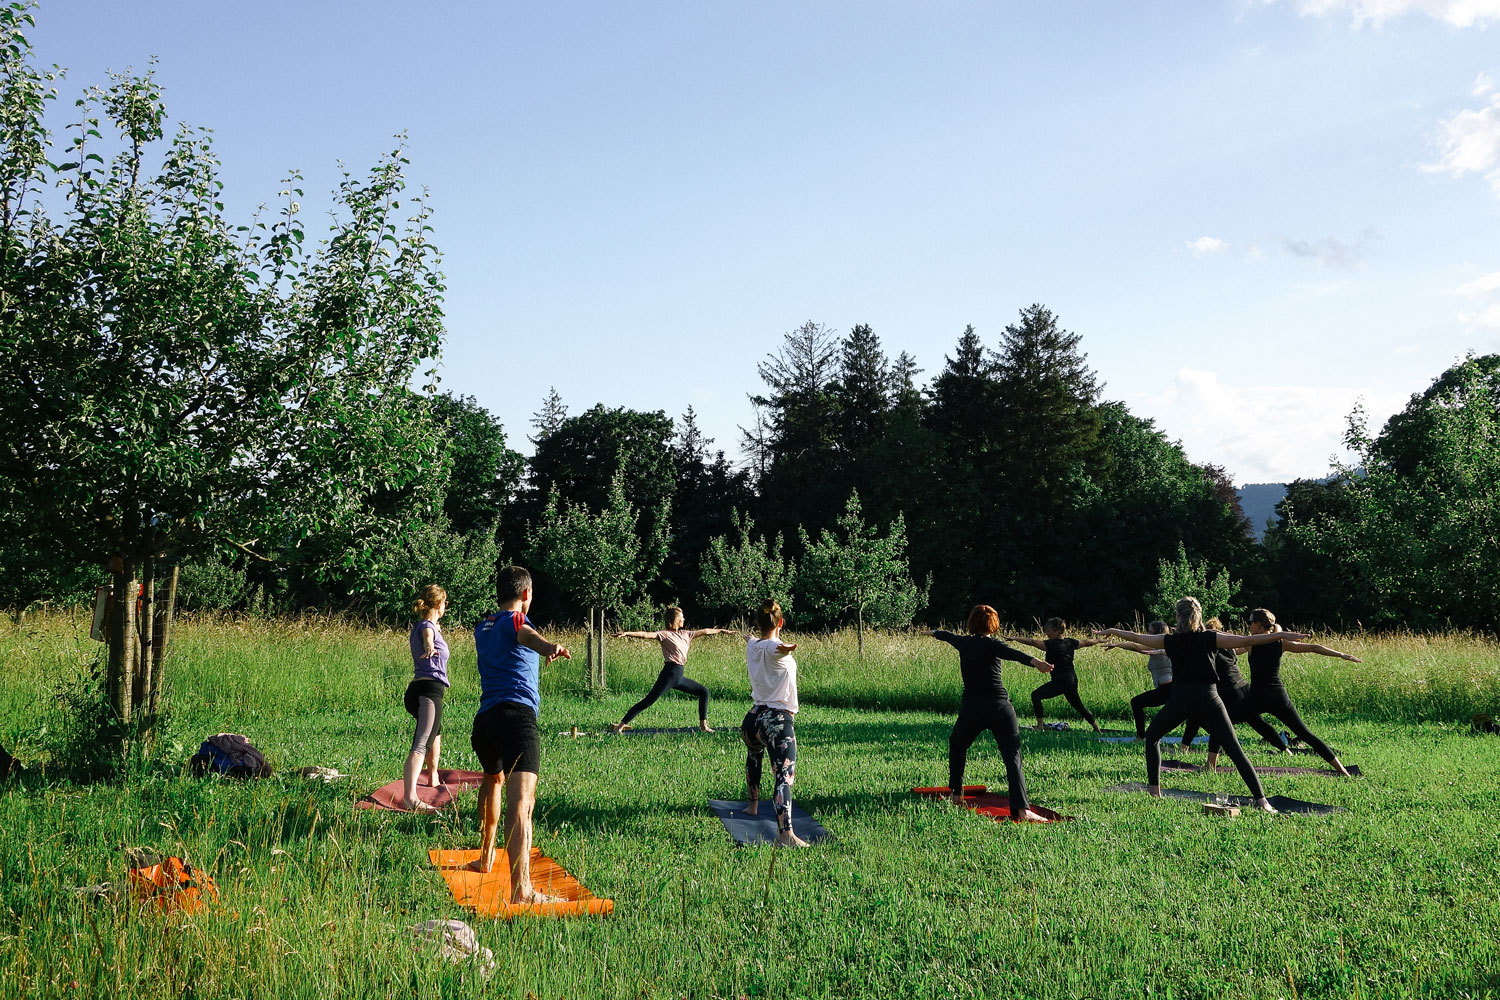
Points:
(674, 641)
(767, 728)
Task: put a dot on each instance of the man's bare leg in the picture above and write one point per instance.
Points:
(489, 821)
(520, 800)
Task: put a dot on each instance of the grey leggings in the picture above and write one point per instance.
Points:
(424, 702)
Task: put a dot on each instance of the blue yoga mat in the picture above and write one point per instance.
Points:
(761, 828)
(1171, 740)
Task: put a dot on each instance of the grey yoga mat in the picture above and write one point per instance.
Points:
(1183, 765)
(1281, 802)
(761, 828)
(1170, 740)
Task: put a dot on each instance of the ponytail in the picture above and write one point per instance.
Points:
(428, 598)
(769, 616)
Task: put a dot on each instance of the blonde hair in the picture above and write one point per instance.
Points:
(1189, 615)
(428, 598)
(1214, 623)
(769, 616)
(669, 615)
(1263, 617)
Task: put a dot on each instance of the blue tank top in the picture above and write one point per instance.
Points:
(508, 671)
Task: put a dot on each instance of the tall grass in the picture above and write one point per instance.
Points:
(1394, 898)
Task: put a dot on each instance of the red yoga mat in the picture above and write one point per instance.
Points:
(388, 796)
(987, 803)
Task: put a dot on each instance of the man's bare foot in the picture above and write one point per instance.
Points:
(704, 726)
(752, 807)
(1154, 791)
(1264, 805)
(787, 838)
(619, 727)
(417, 806)
(534, 898)
(1030, 816)
(480, 865)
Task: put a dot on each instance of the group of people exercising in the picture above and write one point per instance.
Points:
(1193, 666)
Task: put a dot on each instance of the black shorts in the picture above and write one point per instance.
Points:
(426, 687)
(506, 739)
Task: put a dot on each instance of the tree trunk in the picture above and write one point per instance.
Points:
(119, 680)
(165, 611)
(859, 629)
(146, 628)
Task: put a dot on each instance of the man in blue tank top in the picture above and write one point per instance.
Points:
(506, 738)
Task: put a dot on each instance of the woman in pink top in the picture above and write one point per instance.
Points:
(674, 641)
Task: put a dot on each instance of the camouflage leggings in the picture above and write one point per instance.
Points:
(769, 730)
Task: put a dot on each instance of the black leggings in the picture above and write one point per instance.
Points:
(1199, 702)
(1233, 696)
(1274, 702)
(771, 732)
(671, 678)
(999, 717)
(1068, 689)
(1154, 698)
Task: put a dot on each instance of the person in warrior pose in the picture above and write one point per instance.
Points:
(986, 705)
(1160, 666)
(1064, 680)
(1232, 688)
(1192, 650)
(768, 727)
(506, 738)
(674, 641)
(1267, 695)
(424, 695)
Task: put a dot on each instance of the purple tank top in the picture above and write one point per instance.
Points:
(434, 667)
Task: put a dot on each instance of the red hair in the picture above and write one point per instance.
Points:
(983, 620)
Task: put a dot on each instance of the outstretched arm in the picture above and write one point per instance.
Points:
(711, 631)
(635, 635)
(1144, 639)
(1033, 643)
(1228, 640)
(1132, 646)
(532, 639)
(1085, 643)
(1321, 650)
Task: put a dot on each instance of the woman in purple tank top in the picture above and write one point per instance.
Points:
(424, 695)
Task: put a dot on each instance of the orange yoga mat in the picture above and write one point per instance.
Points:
(987, 803)
(489, 895)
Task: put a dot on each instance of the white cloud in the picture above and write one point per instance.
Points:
(1261, 433)
(1459, 13)
(1330, 251)
(1205, 245)
(1482, 285)
(1469, 142)
(1489, 317)
(1483, 84)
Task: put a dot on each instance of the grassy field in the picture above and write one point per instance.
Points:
(1396, 897)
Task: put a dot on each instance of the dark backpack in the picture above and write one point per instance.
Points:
(232, 755)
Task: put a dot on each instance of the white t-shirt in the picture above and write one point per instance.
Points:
(773, 678)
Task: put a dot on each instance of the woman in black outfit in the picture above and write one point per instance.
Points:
(1267, 695)
(1233, 689)
(1193, 690)
(986, 705)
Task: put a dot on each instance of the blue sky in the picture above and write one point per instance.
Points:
(1255, 212)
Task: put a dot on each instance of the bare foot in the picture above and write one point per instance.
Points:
(1341, 769)
(619, 727)
(1154, 791)
(417, 806)
(1030, 816)
(752, 808)
(534, 898)
(1097, 729)
(1264, 805)
(787, 838)
(480, 865)
(432, 779)
(704, 726)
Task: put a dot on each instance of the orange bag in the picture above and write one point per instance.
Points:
(174, 885)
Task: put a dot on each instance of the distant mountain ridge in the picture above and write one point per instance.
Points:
(1258, 501)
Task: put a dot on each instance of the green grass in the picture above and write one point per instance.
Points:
(1397, 897)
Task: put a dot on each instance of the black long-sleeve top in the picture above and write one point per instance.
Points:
(979, 659)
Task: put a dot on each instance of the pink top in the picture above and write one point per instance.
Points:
(674, 644)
